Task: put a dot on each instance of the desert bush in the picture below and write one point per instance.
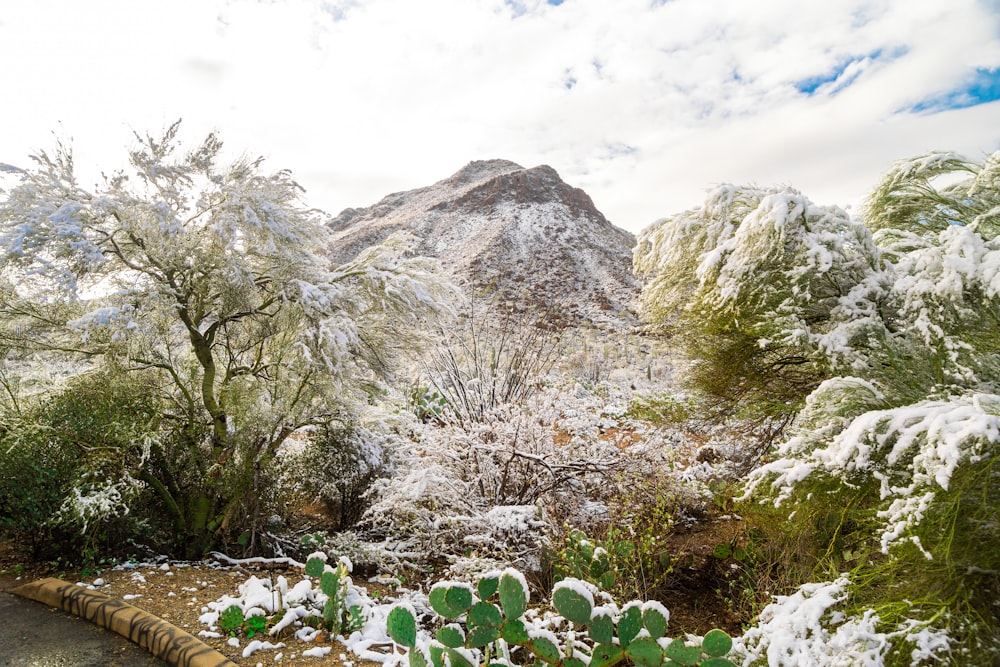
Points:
(492, 356)
(336, 465)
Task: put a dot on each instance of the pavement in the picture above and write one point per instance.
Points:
(35, 635)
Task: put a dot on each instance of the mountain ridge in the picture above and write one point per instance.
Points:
(521, 232)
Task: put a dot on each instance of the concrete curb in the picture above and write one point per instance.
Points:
(163, 640)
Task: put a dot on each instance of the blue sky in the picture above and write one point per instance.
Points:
(645, 104)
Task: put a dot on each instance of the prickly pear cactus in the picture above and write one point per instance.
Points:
(573, 601)
(401, 625)
(486, 634)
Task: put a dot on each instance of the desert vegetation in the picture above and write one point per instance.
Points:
(791, 462)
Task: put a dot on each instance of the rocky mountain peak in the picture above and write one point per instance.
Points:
(524, 234)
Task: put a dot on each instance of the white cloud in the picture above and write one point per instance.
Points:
(643, 104)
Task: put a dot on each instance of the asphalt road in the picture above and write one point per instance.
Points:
(34, 635)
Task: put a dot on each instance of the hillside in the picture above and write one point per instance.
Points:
(495, 225)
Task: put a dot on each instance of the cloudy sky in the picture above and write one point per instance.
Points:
(643, 103)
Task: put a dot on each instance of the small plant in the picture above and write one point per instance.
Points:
(231, 619)
(582, 559)
(338, 617)
(254, 625)
(599, 636)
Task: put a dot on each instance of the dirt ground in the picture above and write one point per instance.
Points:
(701, 592)
(178, 591)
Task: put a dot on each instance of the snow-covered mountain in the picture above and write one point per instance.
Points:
(496, 226)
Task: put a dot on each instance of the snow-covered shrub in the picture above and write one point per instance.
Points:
(336, 464)
(490, 357)
(27, 509)
(69, 465)
(807, 628)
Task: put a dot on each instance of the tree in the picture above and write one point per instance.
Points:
(891, 323)
(764, 287)
(204, 284)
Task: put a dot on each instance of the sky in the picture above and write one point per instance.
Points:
(645, 104)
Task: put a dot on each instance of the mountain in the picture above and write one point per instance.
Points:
(522, 233)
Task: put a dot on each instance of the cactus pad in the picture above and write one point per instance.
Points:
(571, 604)
(451, 636)
(630, 624)
(329, 582)
(545, 650)
(487, 586)
(645, 652)
(717, 643)
(512, 596)
(683, 655)
(315, 567)
(605, 654)
(402, 627)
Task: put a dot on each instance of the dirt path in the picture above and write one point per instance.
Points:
(36, 636)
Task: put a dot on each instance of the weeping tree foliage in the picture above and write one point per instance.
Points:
(202, 282)
(891, 323)
(757, 284)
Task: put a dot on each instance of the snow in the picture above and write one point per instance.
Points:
(806, 629)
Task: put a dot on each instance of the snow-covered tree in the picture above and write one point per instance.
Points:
(205, 281)
(891, 322)
(765, 288)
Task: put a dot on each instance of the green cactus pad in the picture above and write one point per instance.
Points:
(602, 629)
(654, 622)
(417, 658)
(457, 659)
(717, 643)
(683, 655)
(458, 597)
(484, 613)
(330, 611)
(630, 624)
(545, 650)
(487, 586)
(605, 654)
(512, 597)
(437, 655)
(513, 632)
(481, 636)
(315, 567)
(645, 651)
(573, 662)
(447, 602)
(572, 606)
(402, 627)
(329, 582)
(451, 636)
(717, 662)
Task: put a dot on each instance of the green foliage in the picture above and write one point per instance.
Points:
(231, 619)
(659, 409)
(491, 631)
(255, 625)
(627, 557)
(338, 617)
(427, 403)
(26, 509)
